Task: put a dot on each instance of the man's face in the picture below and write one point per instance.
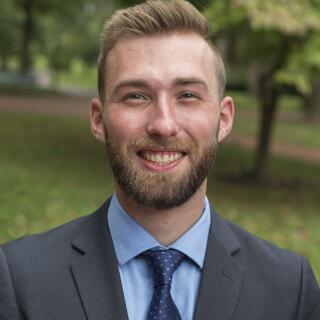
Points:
(161, 118)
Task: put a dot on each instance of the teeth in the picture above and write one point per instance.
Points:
(160, 158)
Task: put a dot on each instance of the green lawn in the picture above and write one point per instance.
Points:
(53, 171)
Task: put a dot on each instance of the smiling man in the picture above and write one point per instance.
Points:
(156, 249)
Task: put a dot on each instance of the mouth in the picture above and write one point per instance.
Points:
(161, 158)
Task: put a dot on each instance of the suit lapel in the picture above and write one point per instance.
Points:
(221, 275)
(98, 281)
(96, 272)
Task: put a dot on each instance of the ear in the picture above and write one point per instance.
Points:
(96, 120)
(226, 117)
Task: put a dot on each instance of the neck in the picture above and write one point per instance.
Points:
(166, 225)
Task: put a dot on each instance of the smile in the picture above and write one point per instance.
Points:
(161, 158)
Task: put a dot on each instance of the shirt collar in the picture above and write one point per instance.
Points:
(130, 238)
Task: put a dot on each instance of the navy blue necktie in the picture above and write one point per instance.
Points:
(163, 264)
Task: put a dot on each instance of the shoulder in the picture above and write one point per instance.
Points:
(55, 244)
(250, 251)
(260, 251)
(274, 265)
(44, 244)
(262, 261)
(273, 276)
(268, 263)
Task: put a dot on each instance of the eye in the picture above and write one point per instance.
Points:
(189, 95)
(135, 96)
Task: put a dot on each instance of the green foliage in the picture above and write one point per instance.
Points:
(63, 41)
(303, 65)
(277, 35)
(10, 18)
(222, 15)
(62, 30)
(295, 17)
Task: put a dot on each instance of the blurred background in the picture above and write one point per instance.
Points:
(267, 176)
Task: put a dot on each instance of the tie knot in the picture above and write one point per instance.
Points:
(164, 263)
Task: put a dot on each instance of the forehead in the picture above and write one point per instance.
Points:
(161, 58)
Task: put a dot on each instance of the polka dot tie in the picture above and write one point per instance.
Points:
(163, 264)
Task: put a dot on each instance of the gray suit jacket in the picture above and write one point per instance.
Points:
(70, 273)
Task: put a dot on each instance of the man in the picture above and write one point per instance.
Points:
(156, 249)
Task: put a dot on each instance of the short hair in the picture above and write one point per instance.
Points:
(150, 18)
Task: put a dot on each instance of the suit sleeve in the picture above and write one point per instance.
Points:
(8, 303)
(309, 305)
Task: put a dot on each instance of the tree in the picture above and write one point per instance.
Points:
(303, 72)
(80, 38)
(267, 34)
(9, 32)
(312, 101)
(57, 28)
(28, 29)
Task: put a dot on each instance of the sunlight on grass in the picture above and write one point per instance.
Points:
(79, 76)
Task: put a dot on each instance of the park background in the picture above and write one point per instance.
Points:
(267, 175)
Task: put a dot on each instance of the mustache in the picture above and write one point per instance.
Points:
(173, 143)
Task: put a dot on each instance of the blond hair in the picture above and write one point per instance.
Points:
(150, 18)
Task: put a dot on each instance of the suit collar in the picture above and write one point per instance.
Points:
(130, 239)
(221, 276)
(222, 233)
(96, 271)
(99, 285)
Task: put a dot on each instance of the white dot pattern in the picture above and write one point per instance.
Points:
(163, 264)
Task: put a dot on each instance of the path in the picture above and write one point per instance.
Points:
(58, 104)
(76, 105)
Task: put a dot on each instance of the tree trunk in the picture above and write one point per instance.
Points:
(313, 102)
(229, 49)
(27, 30)
(268, 95)
(3, 62)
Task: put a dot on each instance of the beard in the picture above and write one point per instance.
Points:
(160, 190)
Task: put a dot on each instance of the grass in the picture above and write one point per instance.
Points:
(53, 171)
(45, 164)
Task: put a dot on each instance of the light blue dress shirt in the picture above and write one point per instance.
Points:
(130, 239)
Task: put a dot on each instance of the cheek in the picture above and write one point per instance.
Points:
(202, 126)
(123, 126)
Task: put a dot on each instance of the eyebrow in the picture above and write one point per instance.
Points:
(137, 83)
(188, 81)
(140, 83)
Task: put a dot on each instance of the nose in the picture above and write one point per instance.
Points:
(162, 120)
